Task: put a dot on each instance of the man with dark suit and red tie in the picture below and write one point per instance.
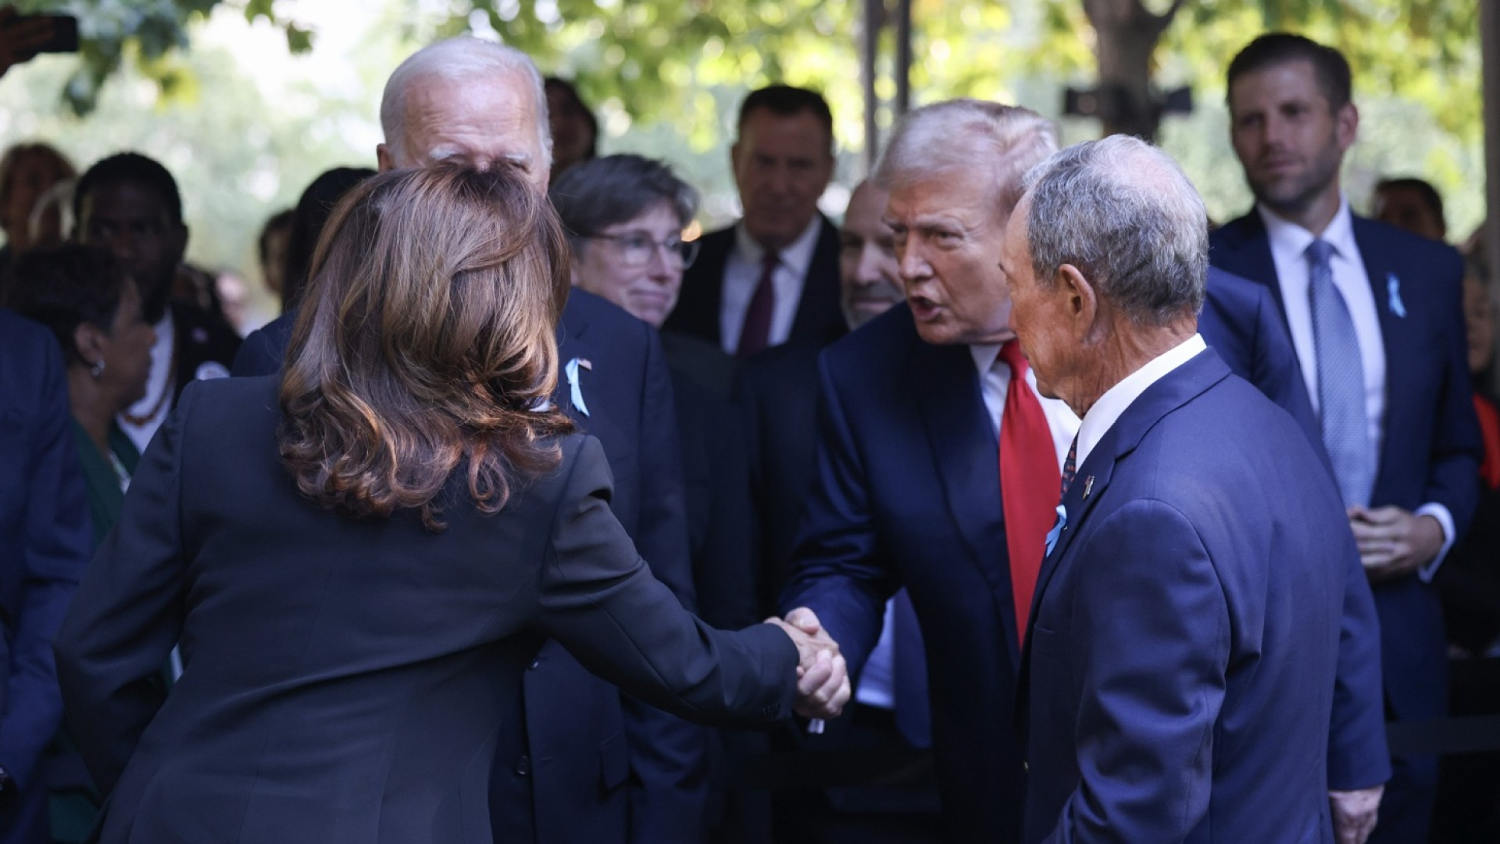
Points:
(1375, 316)
(938, 464)
(772, 277)
(1179, 673)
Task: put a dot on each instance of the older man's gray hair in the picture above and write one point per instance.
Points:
(458, 60)
(971, 137)
(1123, 213)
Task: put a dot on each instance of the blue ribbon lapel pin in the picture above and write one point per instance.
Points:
(1393, 295)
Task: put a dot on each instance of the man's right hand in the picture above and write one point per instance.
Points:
(823, 685)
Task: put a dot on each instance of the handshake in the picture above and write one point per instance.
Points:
(822, 677)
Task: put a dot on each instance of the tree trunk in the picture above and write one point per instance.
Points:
(1125, 36)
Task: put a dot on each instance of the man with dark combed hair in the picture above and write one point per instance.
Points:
(772, 277)
(1375, 317)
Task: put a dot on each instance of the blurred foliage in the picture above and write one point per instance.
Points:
(245, 132)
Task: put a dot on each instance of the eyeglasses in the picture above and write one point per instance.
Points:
(637, 248)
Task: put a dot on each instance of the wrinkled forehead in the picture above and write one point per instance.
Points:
(476, 120)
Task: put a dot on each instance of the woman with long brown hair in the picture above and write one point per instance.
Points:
(361, 558)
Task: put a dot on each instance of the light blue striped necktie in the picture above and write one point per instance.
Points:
(1341, 381)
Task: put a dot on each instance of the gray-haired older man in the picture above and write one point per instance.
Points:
(1185, 633)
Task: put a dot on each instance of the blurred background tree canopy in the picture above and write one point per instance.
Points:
(247, 100)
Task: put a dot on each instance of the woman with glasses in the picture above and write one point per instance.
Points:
(361, 556)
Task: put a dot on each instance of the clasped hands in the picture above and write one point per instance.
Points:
(822, 677)
(1393, 541)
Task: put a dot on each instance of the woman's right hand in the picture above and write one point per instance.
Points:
(823, 685)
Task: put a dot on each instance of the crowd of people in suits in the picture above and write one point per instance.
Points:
(1146, 529)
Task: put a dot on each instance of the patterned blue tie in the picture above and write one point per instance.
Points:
(1341, 380)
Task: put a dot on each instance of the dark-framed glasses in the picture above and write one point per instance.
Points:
(636, 248)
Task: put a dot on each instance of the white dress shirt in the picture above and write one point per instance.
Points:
(159, 379)
(994, 380)
(1289, 243)
(1117, 399)
(742, 275)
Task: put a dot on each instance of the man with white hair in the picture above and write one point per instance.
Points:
(1184, 637)
(593, 765)
(938, 464)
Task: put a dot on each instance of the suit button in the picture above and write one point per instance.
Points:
(1026, 766)
(523, 766)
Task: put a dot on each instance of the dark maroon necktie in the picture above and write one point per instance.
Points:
(756, 332)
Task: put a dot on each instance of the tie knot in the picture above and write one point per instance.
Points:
(1318, 252)
(768, 260)
(1011, 354)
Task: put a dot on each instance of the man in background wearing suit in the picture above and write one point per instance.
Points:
(129, 204)
(771, 278)
(1375, 317)
(44, 546)
(937, 464)
(1180, 663)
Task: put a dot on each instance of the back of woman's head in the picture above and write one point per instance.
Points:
(425, 343)
(65, 286)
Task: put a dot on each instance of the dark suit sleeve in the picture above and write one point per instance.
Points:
(1453, 476)
(1151, 649)
(600, 600)
(840, 569)
(56, 552)
(127, 614)
(1357, 755)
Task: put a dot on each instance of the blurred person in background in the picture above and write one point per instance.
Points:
(27, 171)
(575, 130)
(94, 310)
(1411, 204)
(129, 204)
(262, 350)
(275, 237)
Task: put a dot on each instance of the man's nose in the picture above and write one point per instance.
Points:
(911, 263)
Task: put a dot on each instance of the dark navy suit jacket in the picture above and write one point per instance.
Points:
(1180, 675)
(1431, 449)
(819, 320)
(45, 541)
(907, 493)
(586, 742)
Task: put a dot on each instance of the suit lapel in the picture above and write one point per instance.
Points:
(1398, 372)
(819, 306)
(966, 454)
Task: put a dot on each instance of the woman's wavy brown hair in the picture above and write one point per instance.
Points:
(425, 342)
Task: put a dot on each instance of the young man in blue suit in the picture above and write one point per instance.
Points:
(1374, 314)
(44, 547)
(1184, 639)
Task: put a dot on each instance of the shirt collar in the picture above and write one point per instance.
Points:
(984, 355)
(1290, 239)
(796, 256)
(1117, 399)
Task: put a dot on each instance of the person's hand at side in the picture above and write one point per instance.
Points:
(823, 685)
(1355, 813)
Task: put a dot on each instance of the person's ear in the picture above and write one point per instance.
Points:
(1080, 302)
(383, 159)
(89, 340)
(1346, 125)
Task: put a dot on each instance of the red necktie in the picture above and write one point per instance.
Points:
(1029, 481)
(755, 334)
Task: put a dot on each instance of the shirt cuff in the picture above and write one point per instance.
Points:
(1445, 520)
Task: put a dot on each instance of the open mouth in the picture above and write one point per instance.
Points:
(923, 308)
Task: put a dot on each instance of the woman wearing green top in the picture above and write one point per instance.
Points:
(94, 309)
